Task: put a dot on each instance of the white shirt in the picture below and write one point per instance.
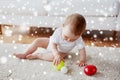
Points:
(63, 45)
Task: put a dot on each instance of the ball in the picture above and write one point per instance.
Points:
(90, 70)
(64, 70)
(59, 66)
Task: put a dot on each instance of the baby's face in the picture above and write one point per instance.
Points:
(68, 35)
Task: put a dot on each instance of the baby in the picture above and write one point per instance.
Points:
(63, 40)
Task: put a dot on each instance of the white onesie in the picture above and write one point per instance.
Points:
(63, 45)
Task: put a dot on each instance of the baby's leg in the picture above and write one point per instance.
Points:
(46, 56)
(39, 42)
(41, 56)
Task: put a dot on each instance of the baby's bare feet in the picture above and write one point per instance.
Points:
(21, 56)
(32, 56)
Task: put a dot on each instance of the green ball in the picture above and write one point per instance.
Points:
(59, 66)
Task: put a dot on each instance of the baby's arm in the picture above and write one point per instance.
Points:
(56, 54)
(82, 59)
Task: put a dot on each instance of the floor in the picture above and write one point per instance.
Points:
(106, 59)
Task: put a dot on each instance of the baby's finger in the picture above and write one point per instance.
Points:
(55, 62)
(85, 64)
(82, 65)
(79, 64)
(62, 60)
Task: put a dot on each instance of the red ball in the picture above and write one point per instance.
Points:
(90, 70)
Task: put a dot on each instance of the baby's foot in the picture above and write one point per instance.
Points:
(21, 56)
(31, 56)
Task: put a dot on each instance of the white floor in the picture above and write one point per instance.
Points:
(105, 58)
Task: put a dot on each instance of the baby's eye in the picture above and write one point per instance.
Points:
(65, 37)
(72, 39)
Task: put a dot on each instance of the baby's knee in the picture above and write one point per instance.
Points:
(37, 40)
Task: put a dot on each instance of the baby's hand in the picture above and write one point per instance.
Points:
(57, 59)
(81, 63)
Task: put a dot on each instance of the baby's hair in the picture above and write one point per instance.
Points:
(77, 22)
